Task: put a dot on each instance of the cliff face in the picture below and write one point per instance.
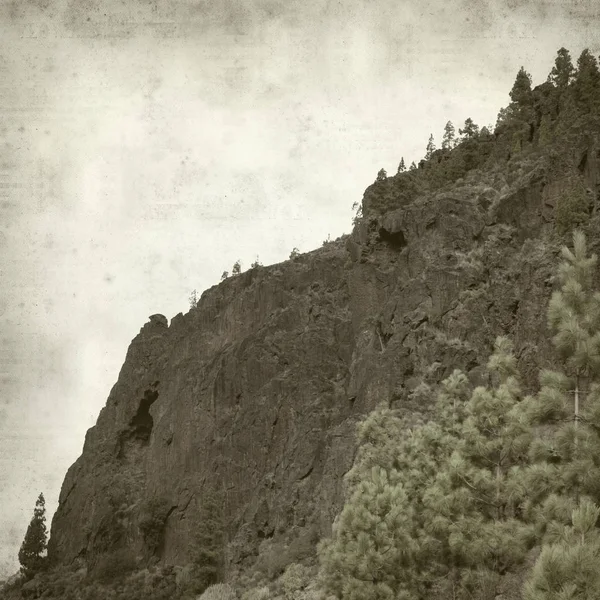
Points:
(254, 393)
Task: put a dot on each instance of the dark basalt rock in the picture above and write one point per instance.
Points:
(255, 392)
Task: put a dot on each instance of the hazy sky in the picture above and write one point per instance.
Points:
(145, 146)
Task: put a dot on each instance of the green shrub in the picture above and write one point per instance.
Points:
(207, 544)
(219, 591)
(572, 208)
(154, 515)
(295, 578)
(114, 566)
(260, 593)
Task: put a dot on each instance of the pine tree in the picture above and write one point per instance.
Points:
(193, 299)
(474, 501)
(504, 119)
(574, 315)
(237, 268)
(562, 72)
(32, 554)
(587, 81)
(413, 166)
(401, 166)
(470, 130)
(430, 147)
(566, 457)
(370, 553)
(381, 175)
(520, 93)
(567, 568)
(393, 462)
(520, 111)
(448, 141)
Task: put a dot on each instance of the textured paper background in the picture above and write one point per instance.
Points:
(145, 146)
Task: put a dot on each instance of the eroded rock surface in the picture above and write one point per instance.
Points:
(255, 392)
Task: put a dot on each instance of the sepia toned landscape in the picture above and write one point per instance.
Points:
(404, 408)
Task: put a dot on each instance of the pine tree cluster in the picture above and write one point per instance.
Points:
(455, 507)
(535, 118)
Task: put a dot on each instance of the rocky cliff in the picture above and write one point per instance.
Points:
(255, 392)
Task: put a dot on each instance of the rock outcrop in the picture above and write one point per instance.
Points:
(255, 392)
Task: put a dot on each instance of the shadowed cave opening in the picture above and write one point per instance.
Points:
(395, 240)
(141, 424)
(139, 427)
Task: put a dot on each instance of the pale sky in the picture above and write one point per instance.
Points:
(146, 146)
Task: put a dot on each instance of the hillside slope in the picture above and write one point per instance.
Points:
(253, 394)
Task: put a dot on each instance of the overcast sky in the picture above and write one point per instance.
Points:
(145, 146)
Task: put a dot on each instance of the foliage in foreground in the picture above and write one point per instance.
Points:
(455, 506)
(568, 567)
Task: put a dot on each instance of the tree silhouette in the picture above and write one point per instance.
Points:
(587, 80)
(562, 72)
(521, 90)
(470, 130)
(381, 175)
(430, 147)
(448, 141)
(32, 554)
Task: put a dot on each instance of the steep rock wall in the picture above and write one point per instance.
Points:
(255, 393)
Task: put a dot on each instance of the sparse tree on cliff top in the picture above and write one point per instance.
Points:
(562, 71)
(448, 141)
(587, 79)
(193, 299)
(430, 147)
(381, 175)
(521, 90)
(470, 130)
(401, 166)
(32, 554)
(237, 268)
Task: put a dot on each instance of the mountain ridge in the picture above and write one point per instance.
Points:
(252, 397)
(379, 309)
